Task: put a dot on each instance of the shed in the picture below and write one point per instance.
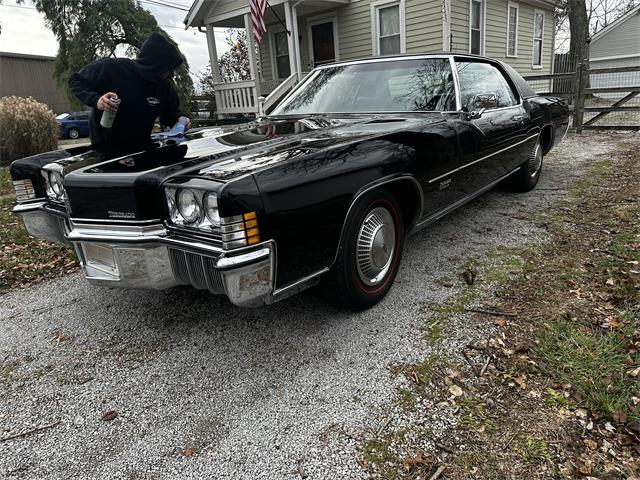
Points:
(32, 76)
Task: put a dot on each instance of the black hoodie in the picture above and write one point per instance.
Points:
(145, 96)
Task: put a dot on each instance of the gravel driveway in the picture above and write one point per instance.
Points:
(250, 393)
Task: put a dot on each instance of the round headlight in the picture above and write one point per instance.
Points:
(188, 205)
(211, 209)
(55, 179)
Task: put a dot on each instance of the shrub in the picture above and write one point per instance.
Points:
(27, 127)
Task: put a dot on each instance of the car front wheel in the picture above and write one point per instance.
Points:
(73, 133)
(371, 251)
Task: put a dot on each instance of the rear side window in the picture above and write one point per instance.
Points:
(478, 78)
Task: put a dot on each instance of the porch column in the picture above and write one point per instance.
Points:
(296, 42)
(294, 50)
(213, 54)
(251, 48)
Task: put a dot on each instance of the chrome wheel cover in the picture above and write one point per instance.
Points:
(375, 246)
(535, 161)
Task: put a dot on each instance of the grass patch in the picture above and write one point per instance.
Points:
(533, 450)
(594, 363)
(6, 184)
(25, 260)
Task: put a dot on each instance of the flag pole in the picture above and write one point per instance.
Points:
(279, 19)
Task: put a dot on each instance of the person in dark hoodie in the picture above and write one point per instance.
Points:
(143, 85)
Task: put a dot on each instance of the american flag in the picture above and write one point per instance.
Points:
(258, 10)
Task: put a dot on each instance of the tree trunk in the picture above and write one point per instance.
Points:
(579, 30)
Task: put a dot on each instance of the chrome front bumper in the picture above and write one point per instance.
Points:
(147, 256)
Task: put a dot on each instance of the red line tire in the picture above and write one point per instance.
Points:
(370, 252)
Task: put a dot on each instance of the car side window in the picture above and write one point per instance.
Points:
(70, 117)
(83, 116)
(478, 78)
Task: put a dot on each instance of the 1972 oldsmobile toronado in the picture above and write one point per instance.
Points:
(326, 186)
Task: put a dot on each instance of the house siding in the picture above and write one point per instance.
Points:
(495, 39)
(423, 23)
(354, 30)
(622, 39)
(418, 14)
(226, 6)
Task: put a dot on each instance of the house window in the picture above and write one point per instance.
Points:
(283, 67)
(388, 29)
(538, 30)
(512, 31)
(476, 27)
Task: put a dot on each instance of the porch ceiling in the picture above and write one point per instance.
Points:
(218, 13)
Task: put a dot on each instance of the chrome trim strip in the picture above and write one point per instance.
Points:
(398, 58)
(441, 213)
(456, 83)
(229, 237)
(232, 219)
(233, 227)
(297, 283)
(455, 170)
(238, 260)
(27, 207)
(105, 220)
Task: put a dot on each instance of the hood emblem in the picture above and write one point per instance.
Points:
(127, 215)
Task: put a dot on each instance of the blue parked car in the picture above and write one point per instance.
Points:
(73, 125)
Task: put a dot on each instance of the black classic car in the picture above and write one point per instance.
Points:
(325, 187)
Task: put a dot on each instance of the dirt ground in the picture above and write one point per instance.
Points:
(100, 383)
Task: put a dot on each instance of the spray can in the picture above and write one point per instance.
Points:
(107, 117)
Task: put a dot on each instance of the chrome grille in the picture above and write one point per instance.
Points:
(197, 270)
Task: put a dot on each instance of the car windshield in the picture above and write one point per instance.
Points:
(62, 116)
(413, 85)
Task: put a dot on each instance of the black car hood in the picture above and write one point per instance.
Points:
(227, 153)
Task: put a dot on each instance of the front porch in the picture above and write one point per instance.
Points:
(279, 63)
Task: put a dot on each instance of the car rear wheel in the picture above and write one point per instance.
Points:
(526, 178)
(371, 251)
(73, 133)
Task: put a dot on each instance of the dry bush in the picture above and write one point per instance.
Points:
(27, 127)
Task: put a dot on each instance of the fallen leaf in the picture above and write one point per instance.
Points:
(635, 372)
(581, 413)
(591, 444)
(521, 381)
(189, 452)
(455, 390)
(500, 322)
(611, 281)
(110, 415)
(620, 417)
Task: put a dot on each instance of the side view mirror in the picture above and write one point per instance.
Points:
(481, 103)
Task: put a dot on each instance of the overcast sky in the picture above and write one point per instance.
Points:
(23, 31)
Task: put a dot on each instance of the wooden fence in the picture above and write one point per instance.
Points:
(601, 98)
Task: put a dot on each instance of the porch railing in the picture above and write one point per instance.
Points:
(236, 97)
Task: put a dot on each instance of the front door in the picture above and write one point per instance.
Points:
(323, 42)
(497, 142)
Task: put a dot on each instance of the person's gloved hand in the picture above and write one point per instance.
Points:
(186, 122)
(105, 104)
